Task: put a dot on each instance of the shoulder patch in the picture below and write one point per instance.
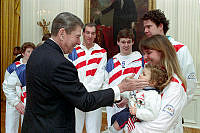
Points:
(169, 109)
(191, 76)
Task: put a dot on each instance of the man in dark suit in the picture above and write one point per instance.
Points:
(53, 87)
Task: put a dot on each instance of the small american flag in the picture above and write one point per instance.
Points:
(131, 121)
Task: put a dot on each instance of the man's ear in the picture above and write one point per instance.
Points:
(160, 26)
(133, 42)
(117, 42)
(61, 33)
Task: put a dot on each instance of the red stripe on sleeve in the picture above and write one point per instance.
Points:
(78, 48)
(177, 47)
(91, 72)
(81, 54)
(98, 51)
(184, 87)
(132, 70)
(117, 64)
(138, 59)
(115, 76)
(81, 64)
(94, 60)
(23, 96)
(174, 80)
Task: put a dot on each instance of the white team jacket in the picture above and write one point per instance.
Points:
(90, 65)
(187, 66)
(14, 83)
(115, 72)
(169, 120)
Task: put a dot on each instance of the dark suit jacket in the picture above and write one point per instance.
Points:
(54, 90)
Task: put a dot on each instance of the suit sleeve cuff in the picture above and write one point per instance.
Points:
(117, 93)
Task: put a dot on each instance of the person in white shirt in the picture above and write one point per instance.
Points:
(14, 87)
(90, 60)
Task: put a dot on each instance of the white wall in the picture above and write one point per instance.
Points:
(33, 11)
(184, 16)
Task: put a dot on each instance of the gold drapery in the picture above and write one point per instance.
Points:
(10, 33)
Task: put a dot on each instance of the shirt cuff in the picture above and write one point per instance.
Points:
(117, 93)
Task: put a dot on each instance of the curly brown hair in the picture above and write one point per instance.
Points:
(158, 17)
(159, 76)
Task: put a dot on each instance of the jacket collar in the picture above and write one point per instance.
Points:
(52, 43)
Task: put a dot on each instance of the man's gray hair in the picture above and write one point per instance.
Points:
(65, 20)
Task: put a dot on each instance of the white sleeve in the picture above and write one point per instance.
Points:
(9, 87)
(188, 70)
(173, 101)
(106, 80)
(98, 78)
(152, 104)
(5, 82)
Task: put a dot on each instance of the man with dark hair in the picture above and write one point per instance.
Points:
(155, 22)
(120, 66)
(91, 73)
(53, 86)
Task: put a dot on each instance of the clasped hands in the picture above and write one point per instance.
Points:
(130, 84)
(20, 108)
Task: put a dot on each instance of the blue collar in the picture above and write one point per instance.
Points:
(151, 88)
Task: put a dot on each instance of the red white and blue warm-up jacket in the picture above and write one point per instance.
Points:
(115, 72)
(90, 65)
(14, 85)
(187, 66)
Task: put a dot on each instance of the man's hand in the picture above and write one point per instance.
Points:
(122, 103)
(129, 84)
(20, 108)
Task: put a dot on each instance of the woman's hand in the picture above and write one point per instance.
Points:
(20, 108)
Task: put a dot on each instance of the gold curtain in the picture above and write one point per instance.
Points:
(10, 33)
